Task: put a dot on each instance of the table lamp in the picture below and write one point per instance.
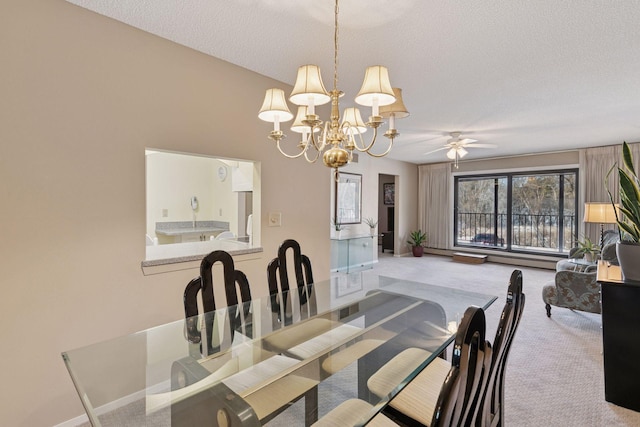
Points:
(602, 213)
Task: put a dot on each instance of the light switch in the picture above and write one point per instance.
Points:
(165, 213)
(275, 219)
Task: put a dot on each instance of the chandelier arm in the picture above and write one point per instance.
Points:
(319, 144)
(373, 141)
(385, 153)
(293, 156)
(306, 155)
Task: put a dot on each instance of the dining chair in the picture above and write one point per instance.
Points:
(187, 372)
(417, 401)
(280, 283)
(491, 411)
(237, 293)
(458, 397)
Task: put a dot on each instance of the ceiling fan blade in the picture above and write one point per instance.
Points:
(433, 151)
(467, 141)
(481, 145)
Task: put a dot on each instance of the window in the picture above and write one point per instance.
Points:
(196, 204)
(525, 212)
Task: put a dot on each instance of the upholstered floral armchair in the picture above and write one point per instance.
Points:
(574, 290)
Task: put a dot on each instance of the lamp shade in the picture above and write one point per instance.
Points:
(451, 154)
(600, 213)
(275, 107)
(297, 125)
(352, 116)
(309, 87)
(462, 152)
(398, 108)
(376, 85)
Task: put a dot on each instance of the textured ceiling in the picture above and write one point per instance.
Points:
(526, 75)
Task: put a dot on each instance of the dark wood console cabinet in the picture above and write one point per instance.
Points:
(621, 346)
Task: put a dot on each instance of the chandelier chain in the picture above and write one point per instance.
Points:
(335, 49)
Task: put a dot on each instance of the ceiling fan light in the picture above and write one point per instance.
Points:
(451, 154)
(376, 86)
(462, 152)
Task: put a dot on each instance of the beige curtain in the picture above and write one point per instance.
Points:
(594, 165)
(434, 204)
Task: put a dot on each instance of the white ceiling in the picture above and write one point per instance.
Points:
(526, 75)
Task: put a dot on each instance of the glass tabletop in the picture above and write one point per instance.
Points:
(249, 364)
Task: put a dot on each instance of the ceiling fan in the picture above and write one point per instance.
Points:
(457, 147)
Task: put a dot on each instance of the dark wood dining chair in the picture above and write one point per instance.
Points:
(491, 411)
(459, 396)
(237, 293)
(280, 283)
(417, 401)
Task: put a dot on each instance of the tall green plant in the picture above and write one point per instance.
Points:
(628, 213)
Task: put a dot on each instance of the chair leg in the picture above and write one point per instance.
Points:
(311, 406)
(548, 307)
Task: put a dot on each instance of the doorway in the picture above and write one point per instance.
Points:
(386, 213)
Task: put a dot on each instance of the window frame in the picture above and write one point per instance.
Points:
(509, 175)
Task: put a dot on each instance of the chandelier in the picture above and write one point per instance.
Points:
(337, 139)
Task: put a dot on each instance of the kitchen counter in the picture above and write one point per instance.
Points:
(179, 228)
(193, 251)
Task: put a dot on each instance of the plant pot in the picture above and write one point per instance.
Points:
(418, 251)
(372, 231)
(589, 257)
(629, 260)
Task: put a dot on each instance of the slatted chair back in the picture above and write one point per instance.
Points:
(237, 293)
(492, 407)
(280, 283)
(457, 403)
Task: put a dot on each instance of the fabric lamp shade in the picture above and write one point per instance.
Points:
(297, 125)
(309, 87)
(397, 108)
(599, 213)
(376, 86)
(353, 117)
(274, 108)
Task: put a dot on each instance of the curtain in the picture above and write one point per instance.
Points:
(594, 165)
(434, 204)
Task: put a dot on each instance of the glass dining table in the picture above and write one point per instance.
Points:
(284, 359)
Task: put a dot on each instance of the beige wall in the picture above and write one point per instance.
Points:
(81, 97)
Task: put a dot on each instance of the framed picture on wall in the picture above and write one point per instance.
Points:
(348, 201)
(389, 191)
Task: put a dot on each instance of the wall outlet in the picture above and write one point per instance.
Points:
(275, 219)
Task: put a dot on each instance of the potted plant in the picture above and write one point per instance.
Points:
(417, 240)
(587, 249)
(627, 216)
(372, 225)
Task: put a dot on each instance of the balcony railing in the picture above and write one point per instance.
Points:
(535, 232)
